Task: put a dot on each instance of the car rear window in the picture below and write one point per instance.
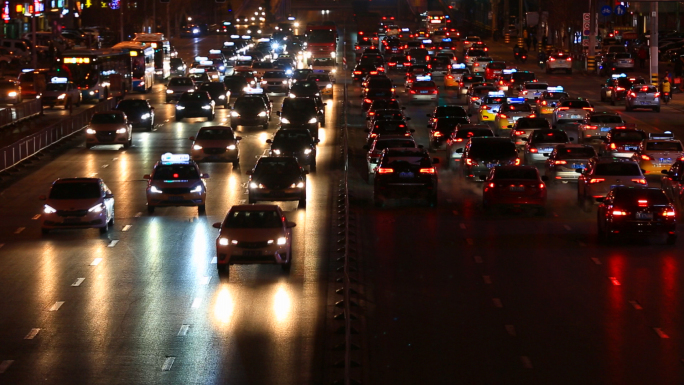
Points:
(623, 56)
(524, 77)
(627, 136)
(550, 136)
(253, 219)
(215, 134)
(664, 146)
(496, 65)
(617, 169)
(75, 190)
(516, 173)
(476, 52)
(533, 123)
(536, 86)
(570, 153)
(522, 107)
(629, 197)
(428, 84)
(395, 143)
(605, 119)
(465, 133)
(494, 149)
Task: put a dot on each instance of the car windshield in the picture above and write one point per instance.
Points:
(180, 82)
(522, 107)
(550, 136)
(324, 62)
(253, 219)
(407, 161)
(48, 87)
(107, 118)
(617, 169)
(294, 105)
(75, 190)
(194, 96)
(274, 74)
(494, 149)
(175, 172)
(249, 103)
(473, 133)
(520, 77)
(390, 125)
(212, 86)
(605, 119)
(321, 36)
(473, 79)
(536, 86)
(215, 134)
(476, 52)
(426, 84)
(274, 166)
(497, 65)
(304, 87)
(627, 136)
(292, 135)
(235, 81)
(516, 173)
(664, 146)
(575, 152)
(199, 77)
(394, 143)
(630, 197)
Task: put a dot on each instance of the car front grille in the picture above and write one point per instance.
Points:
(176, 190)
(105, 136)
(214, 151)
(72, 213)
(252, 245)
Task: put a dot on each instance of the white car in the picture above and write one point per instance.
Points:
(78, 203)
(480, 64)
(602, 174)
(324, 66)
(254, 234)
(531, 91)
(559, 61)
(571, 110)
(469, 40)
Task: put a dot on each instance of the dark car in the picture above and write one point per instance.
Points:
(196, 104)
(296, 142)
(481, 154)
(300, 75)
(218, 92)
(304, 89)
(378, 83)
(300, 113)
(362, 70)
(442, 129)
(459, 139)
(514, 186)
(373, 95)
(236, 84)
(249, 110)
(138, 111)
(448, 110)
(622, 142)
(178, 67)
(398, 127)
(277, 178)
(382, 104)
(405, 173)
(630, 210)
(616, 88)
(398, 63)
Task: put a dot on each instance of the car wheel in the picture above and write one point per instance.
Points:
(671, 239)
(150, 209)
(302, 202)
(43, 230)
(104, 229)
(201, 209)
(179, 118)
(656, 109)
(223, 268)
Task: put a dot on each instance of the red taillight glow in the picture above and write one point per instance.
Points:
(544, 102)
(533, 150)
(517, 162)
(492, 185)
(560, 162)
(552, 59)
(669, 213)
(596, 180)
(563, 108)
(449, 77)
(643, 202)
(645, 157)
(639, 181)
(632, 94)
(357, 72)
(412, 91)
(429, 170)
(518, 132)
(657, 94)
(588, 109)
(503, 116)
(458, 140)
(613, 146)
(470, 162)
(385, 170)
(367, 101)
(618, 213)
(437, 134)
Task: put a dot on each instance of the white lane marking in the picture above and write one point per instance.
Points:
(636, 305)
(34, 332)
(4, 365)
(105, 165)
(213, 260)
(168, 363)
(462, 226)
(138, 214)
(115, 158)
(92, 174)
(205, 280)
(660, 333)
(125, 228)
(469, 241)
(614, 281)
(113, 243)
(183, 330)
(56, 306)
(19, 230)
(567, 227)
(527, 363)
(36, 217)
(497, 302)
(196, 302)
(487, 279)
(78, 282)
(596, 261)
(96, 262)
(510, 329)
(477, 259)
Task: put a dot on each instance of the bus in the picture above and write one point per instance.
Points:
(141, 64)
(99, 74)
(162, 52)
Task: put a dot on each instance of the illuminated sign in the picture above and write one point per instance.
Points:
(555, 89)
(58, 80)
(517, 100)
(459, 66)
(435, 21)
(133, 53)
(206, 62)
(509, 71)
(76, 60)
(214, 51)
(200, 58)
(496, 94)
(175, 158)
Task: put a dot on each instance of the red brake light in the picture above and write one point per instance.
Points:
(175, 175)
(588, 108)
(618, 213)
(368, 101)
(412, 91)
(518, 132)
(517, 161)
(458, 140)
(492, 185)
(503, 116)
(563, 108)
(533, 150)
(532, 115)
(470, 162)
(669, 213)
(618, 88)
(645, 157)
(560, 162)
(552, 59)
(430, 170)
(639, 181)
(541, 185)
(460, 84)
(385, 170)
(449, 77)
(596, 180)
(643, 202)
(436, 134)
(357, 72)
(613, 146)
(568, 58)
(657, 94)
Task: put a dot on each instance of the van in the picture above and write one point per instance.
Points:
(33, 82)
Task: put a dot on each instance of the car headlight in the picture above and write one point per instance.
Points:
(275, 46)
(328, 86)
(313, 120)
(206, 107)
(285, 120)
(235, 114)
(264, 81)
(60, 97)
(222, 68)
(169, 91)
(291, 95)
(231, 147)
(281, 241)
(49, 209)
(90, 131)
(196, 31)
(255, 185)
(307, 151)
(296, 24)
(197, 189)
(284, 81)
(262, 113)
(223, 241)
(333, 54)
(245, 89)
(155, 190)
(179, 69)
(318, 94)
(179, 107)
(288, 72)
(222, 97)
(97, 208)
(334, 70)
(197, 147)
(121, 130)
(276, 151)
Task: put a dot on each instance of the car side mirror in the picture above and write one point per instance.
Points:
(600, 199)
(109, 196)
(579, 170)
(249, 172)
(216, 225)
(42, 198)
(146, 176)
(192, 138)
(290, 225)
(459, 151)
(544, 178)
(204, 176)
(269, 141)
(238, 138)
(435, 160)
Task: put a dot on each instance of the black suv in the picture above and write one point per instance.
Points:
(481, 154)
(218, 91)
(442, 129)
(448, 110)
(236, 84)
(405, 173)
(296, 142)
(278, 178)
(629, 210)
(195, 104)
(250, 110)
(300, 113)
(138, 111)
(304, 88)
(398, 127)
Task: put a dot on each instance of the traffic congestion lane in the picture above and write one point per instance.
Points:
(153, 274)
(561, 296)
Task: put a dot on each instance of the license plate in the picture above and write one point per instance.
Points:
(252, 253)
(630, 148)
(644, 102)
(575, 116)
(406, 175)
(605, 129)
(176, 198)
(517, 188)
(644, 216)
(577, 165)
(666, 160)
(72, 220)
(423, 92)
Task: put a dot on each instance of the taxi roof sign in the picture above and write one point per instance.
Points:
(508, 71)
(427, 41)
(206, 62)
(667, 135)
(458, 66)
(496, 94)
(246, 37)
(446, 40)
(59, 80)
(196, 70)
(290, 18)
(555, 89)
(215, 51)
(423, 78)
(244, 58)
(227, 44)
(615, 76)
(405, 29)
(201, 58)
(516, 100)
(234, 36)
(175, 158)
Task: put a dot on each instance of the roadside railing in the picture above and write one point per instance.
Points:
(18, 112)
(29, 146)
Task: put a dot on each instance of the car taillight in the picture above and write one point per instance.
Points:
(458, 140)
(620, 127)
(534, 150)
(619, 89)
(460, 84)
(470, 162)
(669, 213)
(429, 170)
(492, 185)
(427, 58)
(639, 181)
(474, 98)
(563, 108)
(541, 186)
(618, 213)
(568, 58)
(588, 109)
(449, 77)
(437, 134)
(476, 65)
(367, 101)
(371, 113)
(357, 72)
(552, 59)
(385, 170)
(434, 92)
(560, 162)
(657, 94)
(532, 115)
(484, 107)
(645, 157)
(501, 82)
(643, 202)
(516, 162)
(518, 132)
(591, 127)
(366, 89)
(391, 64)
(357, 47)
(374, 72)
(613, 146)
(543, 103)
(596, 180)
(503, 116)
(412, 91)
(381, 69)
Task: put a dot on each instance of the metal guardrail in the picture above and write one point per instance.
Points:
(29, 146)
(345, 279)
(18, 112)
